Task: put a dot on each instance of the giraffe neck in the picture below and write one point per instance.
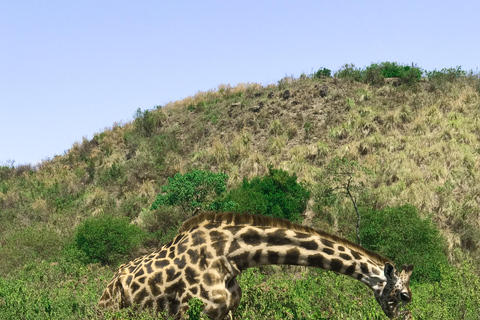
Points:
(278, 246)
(249, 241)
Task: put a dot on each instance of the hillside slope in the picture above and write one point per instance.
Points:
(421, 143)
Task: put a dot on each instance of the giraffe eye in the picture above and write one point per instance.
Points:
(404, 297)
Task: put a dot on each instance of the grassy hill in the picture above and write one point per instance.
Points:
(419, 139)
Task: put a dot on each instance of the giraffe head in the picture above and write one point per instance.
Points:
(396, 292)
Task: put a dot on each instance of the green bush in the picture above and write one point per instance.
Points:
(401, 235)
(348, 71)
(375, 73)
(106, 238)
(322, 73)
(146, 121)
(192, 191)
(277, 194)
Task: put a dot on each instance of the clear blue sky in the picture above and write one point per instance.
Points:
(69, 69)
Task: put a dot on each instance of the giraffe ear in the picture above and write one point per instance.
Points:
(389, 271)
(408, 268)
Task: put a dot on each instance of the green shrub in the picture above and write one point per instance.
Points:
(348, 71)
(401, 235)
(322, 73)
(28, 245)
(146, 121)
(277, 194)
(195, 309)
(375, 73)
(192, 191)
(106, 238)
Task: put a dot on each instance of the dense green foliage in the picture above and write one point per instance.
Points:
(322, 73)
(400, 234)
(106, 239)
(277, 194)
(376, 73)
(192, 191)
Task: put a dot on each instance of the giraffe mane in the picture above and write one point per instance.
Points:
(266, 221)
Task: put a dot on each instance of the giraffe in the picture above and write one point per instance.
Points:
(212, 249)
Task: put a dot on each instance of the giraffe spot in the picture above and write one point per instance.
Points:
(142, 279)
(257, 256)
(273, 257)
(309, 245)
(351, 269)
(198, 238)
(131, 268)
(191, 275)
(216, 236)
(129, 280)
(341, 248)
(134, 287)
(176, 288)
(364, 267)
(173, 305)
(232, 229)
(153, 281)
(172, 248)
(204, 256)
(161, 303)
(234, 246)
(171, 274)
(193, 290)
(359, 276)
(203, 293)
(180, 262)
(161, 263)
(218, 242)
(193, 256)
(231, 282)
(328, 251)
(376, 271)
(149, 268)
(345, 256)
(241, 260)
(302, 235)
(148, 304)
(292, 256)
(139, 273)
(251, 237)
(182, 246)
(278, 238)
(171, 255)
(210, 226)
(208, 279)
(336, 265)
(162, 254)
(140, 296)
(327, 243)
(277, 241)
(357, 255)
(316, 260)
(186, 298)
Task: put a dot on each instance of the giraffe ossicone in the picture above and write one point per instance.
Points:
(212, 249)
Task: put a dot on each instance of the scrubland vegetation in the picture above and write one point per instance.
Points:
(397, 143)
